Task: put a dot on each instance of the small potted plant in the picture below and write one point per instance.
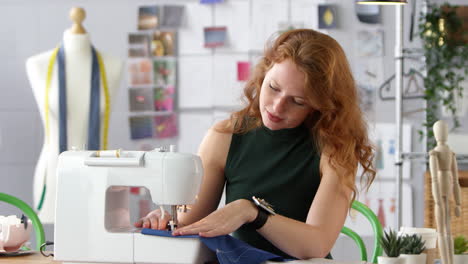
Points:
(391, 244)
(412, 249)
(460, 244)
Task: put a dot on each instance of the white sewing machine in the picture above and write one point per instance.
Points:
(92, 219)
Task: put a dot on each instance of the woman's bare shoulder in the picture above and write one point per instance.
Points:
(215, 145)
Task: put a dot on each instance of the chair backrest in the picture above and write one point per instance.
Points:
(29, 212)
(376, 226)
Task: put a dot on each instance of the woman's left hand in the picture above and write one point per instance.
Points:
(222, 221)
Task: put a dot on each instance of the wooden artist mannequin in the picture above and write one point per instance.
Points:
(444, 175)
(78, 61)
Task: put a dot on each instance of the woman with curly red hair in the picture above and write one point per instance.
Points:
(297, 144)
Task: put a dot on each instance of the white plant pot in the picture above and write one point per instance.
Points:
(387, 260)
(413, 259)
(460, 259)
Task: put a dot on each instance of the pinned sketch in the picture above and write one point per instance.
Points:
(165, 126)
(172, 16)
(369, 72)
(367, 98)
(381, 199)
(164, 71)
(140, 72)
(215, 36)
(164, 98)
(163, 43)
(383, 136)
(327, 16)
(140, 99)
(138, 45)
(148, 17)
(141, 127)
(243, 70)
(369, 43)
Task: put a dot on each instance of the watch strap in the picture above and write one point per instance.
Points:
(260, 220)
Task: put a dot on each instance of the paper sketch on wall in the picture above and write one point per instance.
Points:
(327, 16)
(138, 45)
(164, 99)
(215, 36)
(243, 70)
(368, 73)
(140, 99)
(383, 136)
(172, 16)
(148, 17)
(165, 126)
(369, 43)
(381, 199)
(164, 71)
(163, 43)
(141, 127)
(140, 72)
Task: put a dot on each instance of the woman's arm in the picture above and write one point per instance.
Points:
(213, 152)
(327, 214)
(313, 239)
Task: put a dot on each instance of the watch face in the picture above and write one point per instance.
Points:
(263, 204)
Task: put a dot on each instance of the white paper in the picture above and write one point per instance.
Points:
(369, 72)
(383, 135)
(195, 81)
(305, 11)
(266, 17)
(226, 89)
(369, 43)
(193, 128)
(190, 35)
(235, 16)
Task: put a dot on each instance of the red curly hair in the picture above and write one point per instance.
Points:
(336, 120)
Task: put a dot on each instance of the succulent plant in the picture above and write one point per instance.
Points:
(460, 245)
(391, 243)
(412, 244)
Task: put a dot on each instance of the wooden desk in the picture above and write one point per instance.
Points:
(34, 258)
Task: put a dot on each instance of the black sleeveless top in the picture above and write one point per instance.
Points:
(280, 166)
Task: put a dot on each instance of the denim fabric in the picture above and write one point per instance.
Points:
(228, 249)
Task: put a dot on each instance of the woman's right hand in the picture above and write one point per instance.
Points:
(153, 220)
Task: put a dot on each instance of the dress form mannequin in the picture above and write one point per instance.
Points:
(444, 175)
(78, 63)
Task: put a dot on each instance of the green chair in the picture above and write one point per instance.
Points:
(376, 226)
(29, 212)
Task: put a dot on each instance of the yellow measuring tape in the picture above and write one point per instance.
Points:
(102, 72)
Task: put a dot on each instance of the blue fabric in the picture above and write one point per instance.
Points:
(228, 249)
(94, 101)
(62, 100)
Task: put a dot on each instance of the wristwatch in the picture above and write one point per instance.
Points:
(264, 211)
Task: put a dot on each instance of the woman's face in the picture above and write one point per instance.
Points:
(282, 102)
